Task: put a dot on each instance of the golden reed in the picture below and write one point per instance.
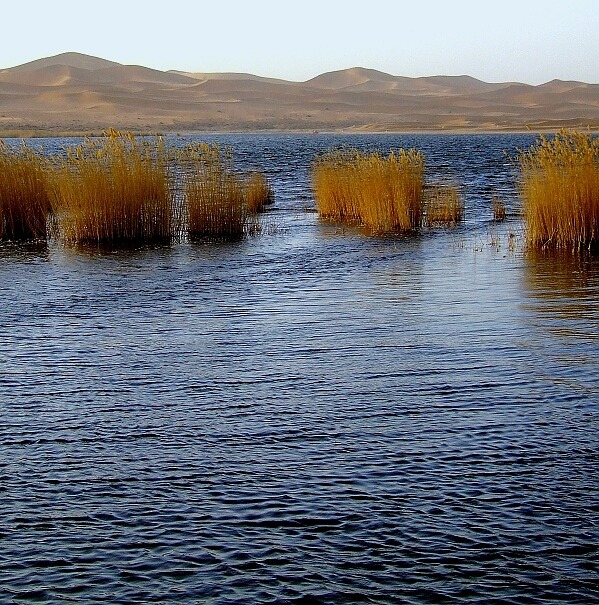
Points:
(113, 189)
(214, 194)
(444, 206)
(499, 210)
(220, 202)
(257, 192)
(24, 201)
(383, 194)
(560, 191)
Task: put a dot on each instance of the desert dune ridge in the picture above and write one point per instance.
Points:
(77, 93)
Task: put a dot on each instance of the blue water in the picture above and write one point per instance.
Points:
(309, 415)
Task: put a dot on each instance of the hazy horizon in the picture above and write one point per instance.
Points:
(533, 42)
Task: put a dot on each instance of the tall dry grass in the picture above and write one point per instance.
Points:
(257, 192)
(213, 192)
(115, 189)
(120, 188)
(24, 200)
(560, 191)
(384, 194)
(444, 206)
(221, 202)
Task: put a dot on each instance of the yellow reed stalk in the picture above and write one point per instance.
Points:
(444, 206)
(214, 194)
(384, 194)
(333, 175)
(560, 191)
(24, 201)
(257, 192)
(115, 189)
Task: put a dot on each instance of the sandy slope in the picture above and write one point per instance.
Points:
(74, 92)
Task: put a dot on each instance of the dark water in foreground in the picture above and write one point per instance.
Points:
(308, 416)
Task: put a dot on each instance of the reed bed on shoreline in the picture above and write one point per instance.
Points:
(24, 200)
(560, 192)
(115, 189)
(383, 194)
(444, 206)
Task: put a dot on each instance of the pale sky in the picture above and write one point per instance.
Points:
(530, 41)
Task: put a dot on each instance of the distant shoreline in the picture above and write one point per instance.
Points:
(73, 95)
(31, 133)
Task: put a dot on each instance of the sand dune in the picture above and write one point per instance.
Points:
(77, 60)
(136, 74)
(74, 92)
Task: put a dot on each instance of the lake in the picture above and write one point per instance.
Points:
(309, 415)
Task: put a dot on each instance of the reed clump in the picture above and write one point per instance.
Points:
(215, 196)
(560, 191)
(383, 194)
(220, 202)
(114, 189)
(24, 199)
(444, 206)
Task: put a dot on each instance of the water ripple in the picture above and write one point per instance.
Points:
(312, 417)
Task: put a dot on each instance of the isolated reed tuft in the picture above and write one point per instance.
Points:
(444, 206)
(499, 212)
(384, 194)
(24, 200)
(114, 189)
(560, 191)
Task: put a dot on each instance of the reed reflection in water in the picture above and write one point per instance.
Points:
(562, 299)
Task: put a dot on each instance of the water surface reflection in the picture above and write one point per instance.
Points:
(561, 294)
